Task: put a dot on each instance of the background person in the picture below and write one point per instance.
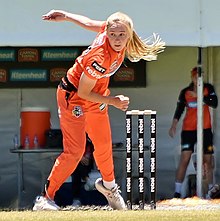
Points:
(83, 98)
(188, 100)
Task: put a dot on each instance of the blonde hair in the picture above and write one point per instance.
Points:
(137, 48)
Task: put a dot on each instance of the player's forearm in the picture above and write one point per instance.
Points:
(94, 97)
(83, 21)
(174, 123)
(120, 101)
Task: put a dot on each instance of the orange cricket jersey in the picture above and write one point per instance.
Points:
(98, 62)
(190, 119)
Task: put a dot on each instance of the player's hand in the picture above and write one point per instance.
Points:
(55, 15)
(121, 102)
(172, 131)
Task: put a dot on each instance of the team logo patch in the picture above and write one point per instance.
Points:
(102, 106)
(98, 67)
(77, 111)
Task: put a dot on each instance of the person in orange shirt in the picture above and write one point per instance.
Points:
(83, 98)
(188, 99)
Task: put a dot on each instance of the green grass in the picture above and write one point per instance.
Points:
(151, 215)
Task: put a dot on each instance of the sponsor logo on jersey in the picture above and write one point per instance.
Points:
(93, 73)
(114, 66)
(102, 106)
(192, 104)
(98, 67)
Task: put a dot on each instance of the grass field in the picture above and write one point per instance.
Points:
(189, 209)
(151, 215)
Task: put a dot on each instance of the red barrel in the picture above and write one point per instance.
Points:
(35, 121)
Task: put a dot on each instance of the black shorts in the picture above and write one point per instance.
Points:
(189, 139)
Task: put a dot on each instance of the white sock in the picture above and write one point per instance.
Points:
(178, 187)
(109, 184)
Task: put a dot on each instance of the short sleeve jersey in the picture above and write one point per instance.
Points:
(98, 62)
